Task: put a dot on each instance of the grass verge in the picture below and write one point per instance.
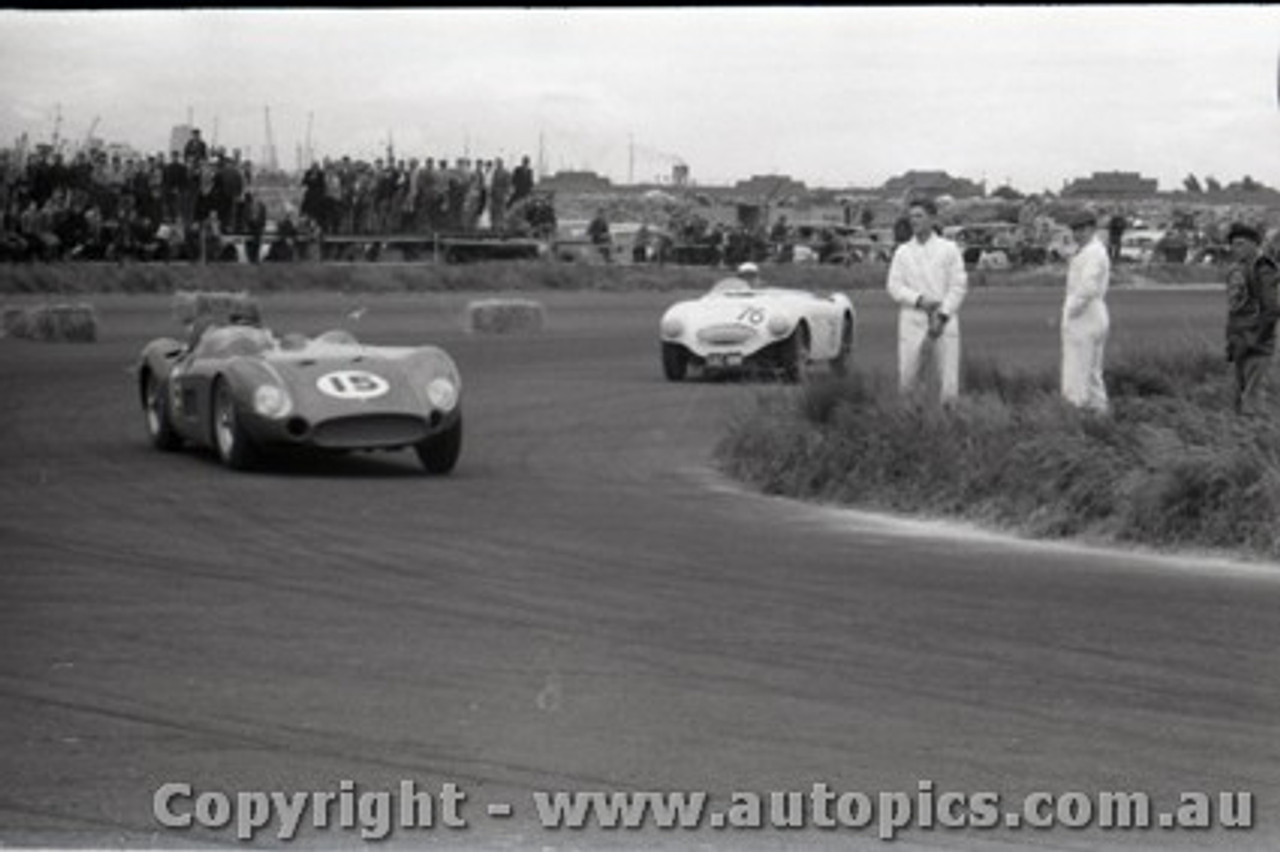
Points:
(1171, 467)
(506, 276)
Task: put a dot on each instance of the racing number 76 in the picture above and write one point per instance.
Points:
(755, 316)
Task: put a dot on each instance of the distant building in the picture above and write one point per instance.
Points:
(576, 181)
(122, 151)
(179, 136)
(1111, 185)
(1246, 185)
(931, 184)
(680, 175)
(1246, 191)
(770, 186)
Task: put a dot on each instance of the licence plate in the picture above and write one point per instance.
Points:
(730, 359)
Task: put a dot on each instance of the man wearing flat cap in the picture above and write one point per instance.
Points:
(1085, 321)
(1252, 311)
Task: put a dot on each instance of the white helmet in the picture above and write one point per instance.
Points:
(748, 269)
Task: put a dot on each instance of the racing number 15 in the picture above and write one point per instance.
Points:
(352, 383)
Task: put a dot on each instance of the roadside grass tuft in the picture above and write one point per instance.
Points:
(508, 276)
(1171, 466)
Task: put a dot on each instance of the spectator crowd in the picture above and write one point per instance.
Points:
(93, 205)
(100, 206)
(346, 197)
(205, 203)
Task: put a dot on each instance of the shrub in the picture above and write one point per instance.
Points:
(1171, 465)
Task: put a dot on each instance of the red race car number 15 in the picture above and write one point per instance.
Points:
(352, 384)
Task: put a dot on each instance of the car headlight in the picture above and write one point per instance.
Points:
(443, 394)
(271, 401)
(672, 327)
(779, 325)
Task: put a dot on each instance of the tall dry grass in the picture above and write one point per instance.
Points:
(1171, 466)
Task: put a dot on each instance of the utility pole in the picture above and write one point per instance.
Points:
(309, 151)
(214, 142)
(57, 127)
(542, 155)
(269, 151)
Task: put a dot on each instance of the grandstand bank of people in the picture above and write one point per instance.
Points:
(203, 203)
(207, 203)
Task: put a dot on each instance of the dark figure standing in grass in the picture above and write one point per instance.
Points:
(1115, 231)
(598, 231)
(1252, 311)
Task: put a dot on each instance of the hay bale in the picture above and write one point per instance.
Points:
(12, 319)
(505, 316)
(220, 306)
(76, 323)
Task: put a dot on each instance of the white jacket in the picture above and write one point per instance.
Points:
(1084, 310)
(933, 269)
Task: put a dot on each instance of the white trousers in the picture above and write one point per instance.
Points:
(1083, 340)
(916, 351)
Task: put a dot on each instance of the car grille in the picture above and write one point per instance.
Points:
(369, 431)
(725, 334)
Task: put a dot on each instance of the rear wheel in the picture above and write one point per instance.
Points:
(795, 365)
(675, 361)
(439, 453)
(235, 448)
(156, 407)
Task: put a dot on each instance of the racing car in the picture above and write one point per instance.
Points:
(239, 390)
(736, 325)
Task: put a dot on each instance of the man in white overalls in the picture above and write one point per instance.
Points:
(928, 281)
(1085, 321)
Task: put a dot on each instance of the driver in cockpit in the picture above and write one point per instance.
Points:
(747, 278)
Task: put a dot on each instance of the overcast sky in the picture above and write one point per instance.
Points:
(831, 96)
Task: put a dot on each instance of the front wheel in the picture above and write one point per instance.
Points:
(675, 361)
(795, 365)
(439, 453)
(840, 364)
(156, 407)
(235, 448)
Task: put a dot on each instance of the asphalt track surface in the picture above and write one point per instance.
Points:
(583, 605)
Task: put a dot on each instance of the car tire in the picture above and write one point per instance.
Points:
(840, 363)
(439, 453)
(675, 362)
(795, 367)
(155, 406)
(232, 443)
